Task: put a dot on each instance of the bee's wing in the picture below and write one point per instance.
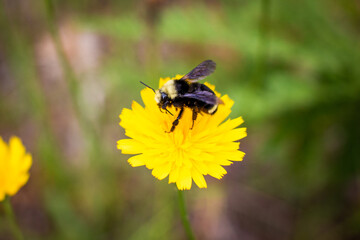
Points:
(204, 96)
(201, 71)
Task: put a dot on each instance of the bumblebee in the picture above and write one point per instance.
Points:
(187, 92)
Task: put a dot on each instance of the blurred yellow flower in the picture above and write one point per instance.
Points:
(14, 166)
(185, 154)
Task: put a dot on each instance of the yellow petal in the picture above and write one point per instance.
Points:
(130, 146)
(198, 178)
(184, 181)
(236, 156)
(201, 167)
(27, 162)
(227, 101)
(162, 171)
(230, 124)
(216, 171)
(157, 161)
(235, 134)
(138, 160)
(14, 166)
(174, 174)
(223, 162)
(17, 149)
(17, 184)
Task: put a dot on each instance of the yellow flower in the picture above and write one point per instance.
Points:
(185, 154)
(14, 166)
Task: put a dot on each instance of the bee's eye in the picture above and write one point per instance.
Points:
(163, 95)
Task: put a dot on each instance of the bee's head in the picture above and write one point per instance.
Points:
(160, 97)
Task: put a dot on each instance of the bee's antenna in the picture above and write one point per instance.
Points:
(147, 86)
(169, 112)
(154, 91)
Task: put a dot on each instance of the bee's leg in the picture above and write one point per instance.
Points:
(194, 116)
(176, 122)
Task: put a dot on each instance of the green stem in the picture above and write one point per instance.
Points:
(11, 216)
(184, 216)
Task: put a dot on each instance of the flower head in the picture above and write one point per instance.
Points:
(14, 166)
(185, 154)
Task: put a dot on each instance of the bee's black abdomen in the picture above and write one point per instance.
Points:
(195, 96)
(181, 87)
(203, 87)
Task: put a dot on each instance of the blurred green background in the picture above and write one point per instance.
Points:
(67, 68)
